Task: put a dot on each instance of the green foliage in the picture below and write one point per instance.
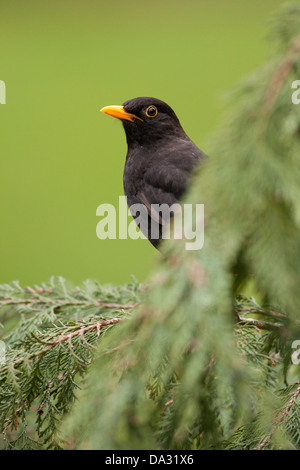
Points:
(51, 333)
(50, 336)
(196, 365)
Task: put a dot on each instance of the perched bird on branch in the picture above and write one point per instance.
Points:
(159, 161)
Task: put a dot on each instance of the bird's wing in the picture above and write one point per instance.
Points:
(163, 181)
(162, 185)
(167, 179)
(151, 212)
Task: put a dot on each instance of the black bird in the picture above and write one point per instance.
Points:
(160, 159)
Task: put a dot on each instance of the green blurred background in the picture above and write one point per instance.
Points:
(60, 158)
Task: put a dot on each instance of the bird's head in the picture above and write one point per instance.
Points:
(146, 120)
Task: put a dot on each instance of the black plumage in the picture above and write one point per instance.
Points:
(160, 157)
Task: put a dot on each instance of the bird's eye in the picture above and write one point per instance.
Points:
(151, 111)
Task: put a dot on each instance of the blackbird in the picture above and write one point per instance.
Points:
(160, 160)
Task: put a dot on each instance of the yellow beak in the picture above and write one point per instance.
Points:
(119, 112)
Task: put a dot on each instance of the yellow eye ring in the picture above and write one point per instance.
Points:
(151, 111)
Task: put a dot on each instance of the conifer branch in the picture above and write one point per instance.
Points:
(279, 77)
(42, 301)
(81, 331)
(49, 347)
(263, 325)
(280, 417)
